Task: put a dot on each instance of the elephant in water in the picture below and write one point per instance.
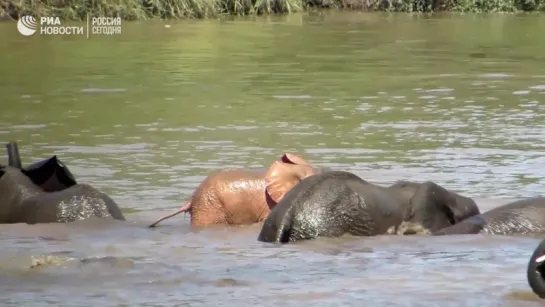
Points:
(525, 216)
(536, 270)
(334, 203)
(46, 192)
(242, 196)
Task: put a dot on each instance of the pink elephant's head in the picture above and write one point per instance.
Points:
(283, 175)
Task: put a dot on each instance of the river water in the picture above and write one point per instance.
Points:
(146, 115)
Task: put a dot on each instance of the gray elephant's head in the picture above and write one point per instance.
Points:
(432, 208)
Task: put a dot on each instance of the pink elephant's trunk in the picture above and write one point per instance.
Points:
(183, 209)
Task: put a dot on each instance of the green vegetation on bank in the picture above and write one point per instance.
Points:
(147, 9)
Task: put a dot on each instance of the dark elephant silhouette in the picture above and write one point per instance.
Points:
(47, 192)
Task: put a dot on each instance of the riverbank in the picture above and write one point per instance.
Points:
(176, 9)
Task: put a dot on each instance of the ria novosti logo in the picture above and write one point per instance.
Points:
(27, 25)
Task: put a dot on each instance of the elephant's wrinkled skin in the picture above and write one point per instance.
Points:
(334, 203)
(242, 196)
(22, 201)
(525, 216)
(536, 270)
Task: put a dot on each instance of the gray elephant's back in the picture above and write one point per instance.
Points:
(332, 207)
(15, 187)
(78, 202)
(329, 205)
(526, 216)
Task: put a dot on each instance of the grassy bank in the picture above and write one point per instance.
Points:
(147, 9)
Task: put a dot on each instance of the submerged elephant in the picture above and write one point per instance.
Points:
(536, 270)
(334, 203)
(242, 196)
(525, 216)
(46, 192)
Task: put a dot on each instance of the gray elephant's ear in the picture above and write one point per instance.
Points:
(52, 175)
(432, 206)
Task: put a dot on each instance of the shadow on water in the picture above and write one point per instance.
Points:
(146, 115)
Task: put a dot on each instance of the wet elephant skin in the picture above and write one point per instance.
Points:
(521, 217)
(23, 201)
(335, 203)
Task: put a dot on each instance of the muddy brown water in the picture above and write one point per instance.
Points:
(144, 116)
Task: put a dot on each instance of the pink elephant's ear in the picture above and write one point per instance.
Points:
(293, 159)
(282, 177)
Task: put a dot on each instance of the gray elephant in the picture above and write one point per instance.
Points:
(335, 203)
(46, 192)
(521, 217)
